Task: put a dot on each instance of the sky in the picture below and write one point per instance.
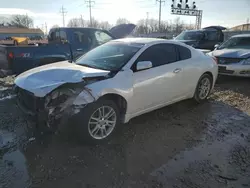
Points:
(226, 13)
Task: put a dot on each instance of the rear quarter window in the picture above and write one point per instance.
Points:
(184, 53)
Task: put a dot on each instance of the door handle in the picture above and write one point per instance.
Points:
(79, 49)
(177, 70)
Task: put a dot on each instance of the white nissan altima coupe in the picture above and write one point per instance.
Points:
(113, 83)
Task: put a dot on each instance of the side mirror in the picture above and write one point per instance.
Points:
(142, 65)
(216, 46)
(63, 41)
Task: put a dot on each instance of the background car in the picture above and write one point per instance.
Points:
(115, 82)
(234, 56)
(204, 38)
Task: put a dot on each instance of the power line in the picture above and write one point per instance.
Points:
(90, 5)
(160, 2)
(63, 12)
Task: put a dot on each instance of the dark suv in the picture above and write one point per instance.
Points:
(205, 38)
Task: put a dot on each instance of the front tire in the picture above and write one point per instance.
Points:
(203, 88)
(97, 122)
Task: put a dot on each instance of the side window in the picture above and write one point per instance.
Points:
(81, 37)
(212, 35)
(184, 53)
(102, 37)
(159, 54)
(63, 35)
(57, 35)
(54, 36)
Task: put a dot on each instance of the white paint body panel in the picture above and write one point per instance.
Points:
(237, 68)
(42, 80)
(144, 91)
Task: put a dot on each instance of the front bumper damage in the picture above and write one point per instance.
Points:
(234, 70)
(52, 116)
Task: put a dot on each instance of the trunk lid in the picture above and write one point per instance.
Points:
(122, 30)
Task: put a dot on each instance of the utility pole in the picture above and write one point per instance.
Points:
(46, 28)
(160, 2)
(42, 27)
(63, 12)
(89, 4)
(147, 22)
(247, 23)
(82, 21)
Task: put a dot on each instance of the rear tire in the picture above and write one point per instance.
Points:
(203, 88)
(95, 128)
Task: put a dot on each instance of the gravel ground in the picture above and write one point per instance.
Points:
(183, 145)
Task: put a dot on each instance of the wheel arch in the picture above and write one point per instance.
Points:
(119, 100)
(210, 74)
(205, 73)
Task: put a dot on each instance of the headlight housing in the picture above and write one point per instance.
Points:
(245, 61)
(59, 96)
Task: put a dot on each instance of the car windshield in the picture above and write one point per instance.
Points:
(110, 56)
(190, 35)
(236, 42)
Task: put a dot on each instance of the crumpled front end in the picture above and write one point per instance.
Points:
(56, 107)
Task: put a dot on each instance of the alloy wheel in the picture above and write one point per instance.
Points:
(204, 88)
(102, 122)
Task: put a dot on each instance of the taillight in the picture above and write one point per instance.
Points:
(10, 55)
(10, 59)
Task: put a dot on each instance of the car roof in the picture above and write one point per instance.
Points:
(149, 41)
(139, 40)
(79, 28)
(242, 35)
(194, 30)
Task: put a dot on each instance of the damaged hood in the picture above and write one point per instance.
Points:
(42, 80)
(232, 53)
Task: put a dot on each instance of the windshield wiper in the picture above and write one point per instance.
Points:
(90, 66)
(94, 67)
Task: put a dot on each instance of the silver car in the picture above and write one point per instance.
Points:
(233, 56)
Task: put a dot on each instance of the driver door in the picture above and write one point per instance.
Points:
(158, 85)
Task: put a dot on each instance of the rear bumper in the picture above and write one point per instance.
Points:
(235, 70)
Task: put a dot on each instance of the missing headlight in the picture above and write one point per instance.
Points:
(58, 97)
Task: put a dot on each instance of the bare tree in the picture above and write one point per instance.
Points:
(142, 27)
(179, 25)
(75, 22)
(153, 25)
(21, 21)
(189, 26)
(55, 26)
(99, 24)
(149, 26)
(95, 23)
(3, 20)
(122, 21)
(105, 25)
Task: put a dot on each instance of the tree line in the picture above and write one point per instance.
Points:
(144, 26)
(21, 21)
